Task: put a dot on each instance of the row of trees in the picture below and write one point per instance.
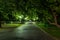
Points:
(45, 10)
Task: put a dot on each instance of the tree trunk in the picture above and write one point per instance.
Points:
(55, 21)
(0, 24)
(55, 18)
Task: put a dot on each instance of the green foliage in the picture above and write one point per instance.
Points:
(41, 9)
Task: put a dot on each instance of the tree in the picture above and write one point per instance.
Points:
(48, 10)
(45, 10)
(52, 8)
(6, 8)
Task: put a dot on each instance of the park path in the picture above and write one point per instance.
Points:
(24, 32)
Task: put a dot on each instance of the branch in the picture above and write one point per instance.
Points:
(55, 19)
(51, 22)
(54, 24)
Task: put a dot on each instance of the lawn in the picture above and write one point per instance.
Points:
(52, 30)
(10, 25)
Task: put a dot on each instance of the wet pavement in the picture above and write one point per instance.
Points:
(24, 32)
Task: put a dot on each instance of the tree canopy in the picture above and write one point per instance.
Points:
(42, 10)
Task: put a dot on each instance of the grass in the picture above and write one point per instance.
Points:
(53, 30)
(10, 25)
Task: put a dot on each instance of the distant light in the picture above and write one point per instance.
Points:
(20, 16)
(26, 18)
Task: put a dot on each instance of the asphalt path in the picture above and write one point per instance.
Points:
(24, 32)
